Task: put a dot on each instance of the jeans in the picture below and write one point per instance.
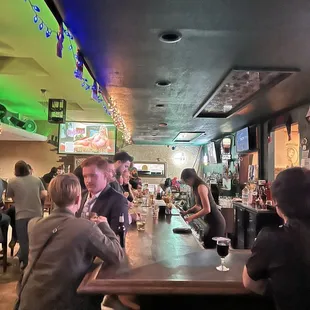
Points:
(22, 236)
(4, 224)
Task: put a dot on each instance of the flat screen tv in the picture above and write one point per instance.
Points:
(81, 138)
(242, 140)
(211, 151)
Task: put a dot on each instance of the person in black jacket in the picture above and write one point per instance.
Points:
(122, 162)
(100, 197)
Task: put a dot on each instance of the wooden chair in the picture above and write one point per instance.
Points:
(4, 226)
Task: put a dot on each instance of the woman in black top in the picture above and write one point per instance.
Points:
(280, 260)
(205, 206)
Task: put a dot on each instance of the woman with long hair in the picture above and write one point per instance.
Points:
(280, 260)
(205, 207)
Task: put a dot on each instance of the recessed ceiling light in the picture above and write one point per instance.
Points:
(162, 124)
(170, 37)
(160, 105)
(163, 83)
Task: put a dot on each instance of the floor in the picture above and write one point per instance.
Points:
(8, 282)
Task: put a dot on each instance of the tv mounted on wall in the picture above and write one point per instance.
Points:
(211, 152)
(246, 140)
(81, 138)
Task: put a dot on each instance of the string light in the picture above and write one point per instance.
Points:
(108, 106)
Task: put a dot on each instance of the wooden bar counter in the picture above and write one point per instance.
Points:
(159, 261)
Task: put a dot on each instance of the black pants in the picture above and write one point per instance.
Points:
(22, 235)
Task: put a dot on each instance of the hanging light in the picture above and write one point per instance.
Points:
(48, 33)
(35, 19)
(41, 26)
(36, 8)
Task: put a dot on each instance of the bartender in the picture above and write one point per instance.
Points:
(205, 207)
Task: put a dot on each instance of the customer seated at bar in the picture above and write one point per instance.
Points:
(100, 198)
(280, 260)
(62, 249)
(127, 187)
(205, 207)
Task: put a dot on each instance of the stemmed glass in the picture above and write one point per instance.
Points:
(222, 248)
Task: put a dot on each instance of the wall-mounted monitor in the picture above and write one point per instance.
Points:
(211, 151)
(242, 140)
(87, 138)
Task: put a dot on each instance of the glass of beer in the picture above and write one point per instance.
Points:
(141, 221)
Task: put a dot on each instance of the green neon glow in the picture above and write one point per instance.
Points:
(20, 92)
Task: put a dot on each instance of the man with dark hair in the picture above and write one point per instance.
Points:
(122, 162)
(100, 198)
(27, 192)
(47, 178)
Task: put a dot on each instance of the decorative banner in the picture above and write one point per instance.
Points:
(94, 91)
(288, 125)
(78, 73)
(60, 40)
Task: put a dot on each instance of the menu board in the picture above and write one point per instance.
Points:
(87, 138)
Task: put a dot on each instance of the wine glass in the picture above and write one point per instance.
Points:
(222, 248)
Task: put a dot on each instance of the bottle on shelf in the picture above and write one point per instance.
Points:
(121, 230)
(245, 194)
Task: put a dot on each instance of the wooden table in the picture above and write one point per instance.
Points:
(161, 262)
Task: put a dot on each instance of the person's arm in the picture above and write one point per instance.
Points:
(43, 191)
(258, 287)
(205, 208)
(255, 273)
(130, 191)
(104, 244)
(10, 191)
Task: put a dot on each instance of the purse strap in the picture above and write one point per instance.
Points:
(24, 280)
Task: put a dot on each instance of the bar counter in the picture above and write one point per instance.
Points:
(159, 261)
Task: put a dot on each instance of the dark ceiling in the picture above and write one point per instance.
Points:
(120, 42)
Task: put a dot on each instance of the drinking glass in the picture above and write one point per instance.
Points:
(141, 221)
(155, 210)
(222, 248)
(144, 200)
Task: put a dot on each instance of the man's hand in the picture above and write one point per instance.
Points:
(102, 219)
(126, 194)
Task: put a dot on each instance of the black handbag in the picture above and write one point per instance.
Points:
(24, 278)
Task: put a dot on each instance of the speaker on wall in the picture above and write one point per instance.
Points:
(57, 109)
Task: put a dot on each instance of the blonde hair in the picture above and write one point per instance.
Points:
(64, 189)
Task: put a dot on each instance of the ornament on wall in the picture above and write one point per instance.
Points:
(304, 144)
(288, 125)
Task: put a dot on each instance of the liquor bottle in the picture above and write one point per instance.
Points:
(245, 194)
(158, 196)
(121, 230)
